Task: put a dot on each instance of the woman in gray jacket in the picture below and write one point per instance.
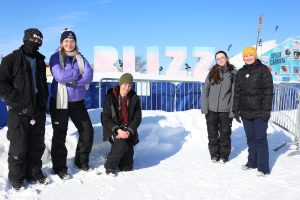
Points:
(216, 104)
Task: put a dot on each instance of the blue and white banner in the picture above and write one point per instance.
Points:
(284, 60)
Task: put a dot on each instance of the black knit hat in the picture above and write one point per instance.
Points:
(33, 33)
(126, 78)
(67, 33)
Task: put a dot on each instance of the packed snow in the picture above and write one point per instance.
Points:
(171, 162)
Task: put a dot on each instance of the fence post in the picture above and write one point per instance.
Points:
(297, 123)
(297, 132)
(175, 96)
(99, 88)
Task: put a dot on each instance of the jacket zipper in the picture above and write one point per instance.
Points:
(220, 91)
(32, 88)
(42, 88)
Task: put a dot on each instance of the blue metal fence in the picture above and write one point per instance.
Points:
(3, 114)
(286, 109)
(163, 95)
(173, 96)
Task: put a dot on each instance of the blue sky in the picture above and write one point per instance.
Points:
(146, 23)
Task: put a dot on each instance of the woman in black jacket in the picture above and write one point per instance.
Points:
(121, 117)
(253, 103)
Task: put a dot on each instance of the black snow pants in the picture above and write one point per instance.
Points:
(26, 144)
(219, 132)
(60, 118)
(120, 155)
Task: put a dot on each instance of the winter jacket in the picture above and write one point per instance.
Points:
(110, 116)
(16, 85)
(253, 91)
(219, 97)
(70, 75)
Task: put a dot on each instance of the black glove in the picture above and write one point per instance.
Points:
(237, 117)
(72, 84)
(266, 115)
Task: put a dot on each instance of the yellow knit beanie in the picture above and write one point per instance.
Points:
(249, 50)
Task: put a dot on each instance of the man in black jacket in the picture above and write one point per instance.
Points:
(23, 87)
(121, 117)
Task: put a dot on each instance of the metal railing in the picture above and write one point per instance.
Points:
(174, 95)
(286, 111)
(166, 95)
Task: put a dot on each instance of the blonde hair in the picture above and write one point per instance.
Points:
(63, 52)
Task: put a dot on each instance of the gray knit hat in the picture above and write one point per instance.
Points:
(126, 78)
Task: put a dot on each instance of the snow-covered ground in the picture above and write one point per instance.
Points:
(171, 162)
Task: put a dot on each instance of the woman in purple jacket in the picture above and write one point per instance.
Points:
(71, 75)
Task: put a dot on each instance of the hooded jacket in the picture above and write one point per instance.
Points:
(70, 75)
(16, 86)
(110, 116)
(253, 91)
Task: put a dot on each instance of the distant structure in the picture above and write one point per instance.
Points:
(48, 71)
(282, 59)
(237, 60)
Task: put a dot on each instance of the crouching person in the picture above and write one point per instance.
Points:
(121, 117)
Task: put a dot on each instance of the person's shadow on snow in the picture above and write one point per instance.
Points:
(95, 115)
(158, 141)
(238, 142)
(99, 149)
(276, 139)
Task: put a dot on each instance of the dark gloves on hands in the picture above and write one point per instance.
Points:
(237, 117)
(266, 115)
(72, 84)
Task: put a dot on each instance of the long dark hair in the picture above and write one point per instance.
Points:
(214, 74)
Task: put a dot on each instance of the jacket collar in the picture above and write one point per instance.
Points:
(257, 62)
(39, 56)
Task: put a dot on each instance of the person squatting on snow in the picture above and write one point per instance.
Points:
(23, 87)
(71, 75)
(216, 104)
(253, 103)
(120, 119)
